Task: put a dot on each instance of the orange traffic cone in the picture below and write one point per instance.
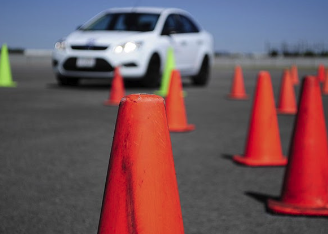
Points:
(321, 73)
(117, 89)
(141, 193)
(325, 85)
(294, 74)
(263, 147)
(287, 100)
(175, 108)
(237, 88)
(305, 189)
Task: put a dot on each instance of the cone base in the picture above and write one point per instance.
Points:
(164, 94)
(161, 93)
(286, 111)
(238, 96)
(111, 103)
(259, 163)
(188, 128)
(288, 209)
(10, 85)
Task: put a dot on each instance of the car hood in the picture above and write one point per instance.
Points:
(98, 37)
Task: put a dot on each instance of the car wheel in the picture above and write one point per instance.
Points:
(203, 75)
(153, 73)
(63, 81)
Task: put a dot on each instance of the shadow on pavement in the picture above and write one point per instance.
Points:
(105, 84)
(98, 86)
(261, 198)
(227, 156)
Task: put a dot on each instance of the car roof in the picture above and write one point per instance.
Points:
(157, 10)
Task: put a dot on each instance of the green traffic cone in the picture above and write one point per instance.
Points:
(169, 66)
(5, 72)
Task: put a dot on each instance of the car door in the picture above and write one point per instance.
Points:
(177, 40)
(190, 40)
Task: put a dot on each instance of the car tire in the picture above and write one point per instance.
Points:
(201, 79)
(153, 74)
(67, 81)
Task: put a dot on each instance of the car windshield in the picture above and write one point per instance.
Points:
(142, 22)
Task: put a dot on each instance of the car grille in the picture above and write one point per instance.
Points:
(88, 47)
(100, 66)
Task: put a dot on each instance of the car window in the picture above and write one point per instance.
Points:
(187, 26)
(124, 22)
(171, 25)
(147, 22)
(100, 24)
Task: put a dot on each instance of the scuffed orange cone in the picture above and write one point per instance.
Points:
(141, 193)
(263, 147)
(305, 189)
(238, 88)
(321, 73)
(175, 107)
(325, 85)
(287, 100)
(117, 89)
(294, 75)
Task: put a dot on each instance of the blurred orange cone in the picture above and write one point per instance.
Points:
(175, 108)
(305, 189)
(287, 100)
(321, 73)
(294, 75)
(325, 85)
(263, 147)
(237, 88)
(141, 193)
(117, 89)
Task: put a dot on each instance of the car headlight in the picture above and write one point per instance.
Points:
(127, 47)
(60, 45)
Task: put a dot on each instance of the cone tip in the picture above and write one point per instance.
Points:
(311, 80)
(263, 73)
(264, 76)
(142, 97)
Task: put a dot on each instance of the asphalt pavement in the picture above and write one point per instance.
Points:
(55, 144)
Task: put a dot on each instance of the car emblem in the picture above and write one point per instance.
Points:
(91, 43)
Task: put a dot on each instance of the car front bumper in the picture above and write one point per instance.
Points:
(132, 65)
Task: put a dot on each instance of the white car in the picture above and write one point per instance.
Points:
(137, 40)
